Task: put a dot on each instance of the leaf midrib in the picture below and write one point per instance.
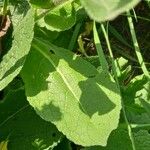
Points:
(61, 74)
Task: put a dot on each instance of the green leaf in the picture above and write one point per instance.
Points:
(142, 96)
(61, 18)
(142, 140)
(12, 62)
(118, 140)
(42, 4)
(136, 99)
(22, 127)
(46, 34)
(69, 92)
(102, 10)
(144, 93)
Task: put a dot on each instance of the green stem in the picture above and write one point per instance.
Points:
(115, 74)
(99, 49)
(74, 36)
(136, 46)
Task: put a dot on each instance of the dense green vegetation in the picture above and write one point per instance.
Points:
(74, 75)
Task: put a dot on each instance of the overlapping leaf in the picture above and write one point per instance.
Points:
(61, 18)
(69, 92)
(120, 140)
(22, 128)
(12, 62)
(102, 10)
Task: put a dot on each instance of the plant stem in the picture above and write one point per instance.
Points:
(115, 74)
(74, 36)
(99, 49)
(136, 46)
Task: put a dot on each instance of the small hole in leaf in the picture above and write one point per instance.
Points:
(54, 135)
(51, 51)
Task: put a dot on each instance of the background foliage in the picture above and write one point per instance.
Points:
(74, 75)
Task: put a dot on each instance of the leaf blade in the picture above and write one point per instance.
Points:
(22, 127)
(108, 10)
(13, 61)
(61, 83)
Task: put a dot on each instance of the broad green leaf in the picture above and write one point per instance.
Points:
(23, 23)
(61, 18)
(102, 10)
(69, 92)
(24, 129)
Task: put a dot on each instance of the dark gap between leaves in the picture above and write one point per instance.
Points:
(1, 95)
